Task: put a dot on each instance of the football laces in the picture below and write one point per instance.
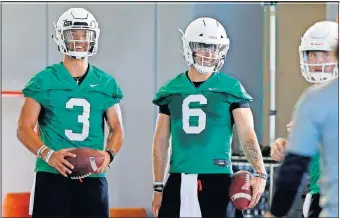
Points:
(247, 180)
(81, 177)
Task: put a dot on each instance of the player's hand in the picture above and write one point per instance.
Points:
(57, 160)
(320, 181)
(277, 152)
(289, 126)
(156, 202)
(106, 162)
(258, 186)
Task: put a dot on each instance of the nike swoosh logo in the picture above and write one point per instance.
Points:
(94, 85)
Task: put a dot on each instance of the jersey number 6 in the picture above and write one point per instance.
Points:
(187, 113)
(84, 119)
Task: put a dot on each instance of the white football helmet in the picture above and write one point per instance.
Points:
(205, 45)
(71, 41)
(322, 36)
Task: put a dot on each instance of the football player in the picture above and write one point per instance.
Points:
(70, 101)
(318, 60)
(315, 130)
(198, 109)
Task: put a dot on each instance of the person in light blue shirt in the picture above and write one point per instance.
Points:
(318, 63)
(315, 130)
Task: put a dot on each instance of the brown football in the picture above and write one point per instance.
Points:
(86, 162)
(240, 198)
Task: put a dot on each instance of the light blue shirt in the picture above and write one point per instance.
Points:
(315, 130)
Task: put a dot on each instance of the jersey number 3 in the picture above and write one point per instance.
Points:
(84, 119)
(187, 113)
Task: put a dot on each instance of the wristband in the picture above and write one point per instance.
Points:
(158, 183)
(111, 153)
(49, 154)
(41, 150)
(158, 187)
(261, 175)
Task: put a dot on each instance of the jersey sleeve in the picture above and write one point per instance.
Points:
(238, 94)
(305, 136)
(35, 89)
(162, 96)
(169, 89)
(115, 93)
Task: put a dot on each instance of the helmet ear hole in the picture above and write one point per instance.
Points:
(91, 49)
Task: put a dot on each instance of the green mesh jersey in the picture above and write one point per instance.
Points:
(314, 171)
(201, 122)
(71, 115)
(314, 174)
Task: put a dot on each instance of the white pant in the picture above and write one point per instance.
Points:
(306, 204)
(190, 206)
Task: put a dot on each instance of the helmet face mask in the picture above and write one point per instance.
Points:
(205, 45)
(79, 40)
(319, 66)
(318, 60)
(206, 55)
(77, 33)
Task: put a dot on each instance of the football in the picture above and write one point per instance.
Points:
(86, 162)
(238, 197)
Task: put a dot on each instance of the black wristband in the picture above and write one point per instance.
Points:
(261, 175)
(112, 155)
(158, 188)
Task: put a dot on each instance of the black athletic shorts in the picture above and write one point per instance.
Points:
(314, 208)
(57, 196)
(196, 195)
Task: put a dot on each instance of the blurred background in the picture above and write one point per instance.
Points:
(140, 46)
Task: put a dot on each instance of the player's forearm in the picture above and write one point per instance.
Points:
(159, 158)
(115, 140)
(252, 150)
(29, 138)
(288, 182)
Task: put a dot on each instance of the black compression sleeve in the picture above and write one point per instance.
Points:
(288, 182)
(164, 109)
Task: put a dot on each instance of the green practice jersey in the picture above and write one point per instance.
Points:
(314, 174)
(201, 122)
(72, 115)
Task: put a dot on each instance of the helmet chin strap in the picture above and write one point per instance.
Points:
(74, 57)
(81, 58)
(201, 71)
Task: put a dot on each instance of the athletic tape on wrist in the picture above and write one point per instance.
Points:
(49, 154)
(158, 183)
(41, 150)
